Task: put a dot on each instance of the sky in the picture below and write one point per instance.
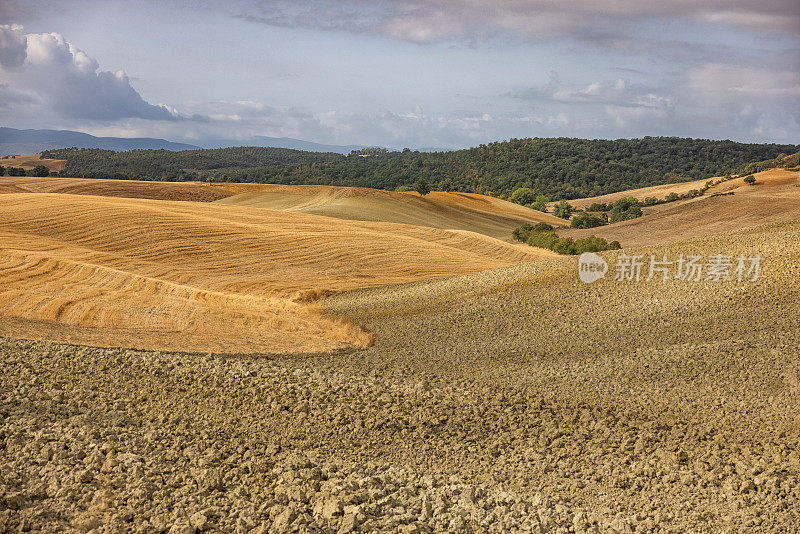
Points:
(403, 73)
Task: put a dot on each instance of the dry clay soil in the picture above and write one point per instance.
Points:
(515, 399)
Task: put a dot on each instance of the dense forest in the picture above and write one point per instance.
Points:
(560, 168)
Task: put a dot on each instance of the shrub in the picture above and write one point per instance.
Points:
(599, 206)
(403, 188)
(672, 197)
(587, 220)
(524, 232)
(421, 187)
(543, 236)
(750, 179)
(15, 171)
(624, 209)
(650, 201)
(41, 171)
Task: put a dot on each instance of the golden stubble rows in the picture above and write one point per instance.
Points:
(204, 277)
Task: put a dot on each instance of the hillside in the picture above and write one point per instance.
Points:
(655, 191)
(644, 386)
(558, 168)
(188, 191)
(453, 211)
(727, 206)
(28, 162)
(200, 276)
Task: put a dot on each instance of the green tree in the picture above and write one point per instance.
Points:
(41, 171)
(2, 170)
(540, 204)
(750, 179)
(523, 195)
(563, 210)
(422, 187)
(446, 185)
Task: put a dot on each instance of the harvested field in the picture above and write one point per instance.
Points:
(657, 191)
(187, 191)
(180, 275)
(453, 211)
(31, 161)
(447, 381)
(774, 198)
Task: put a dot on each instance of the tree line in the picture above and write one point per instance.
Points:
(556, 168)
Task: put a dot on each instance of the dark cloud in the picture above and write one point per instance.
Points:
(12, 46)
(607, 21)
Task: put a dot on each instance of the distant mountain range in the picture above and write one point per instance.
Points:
(281, 142)
(13, 141)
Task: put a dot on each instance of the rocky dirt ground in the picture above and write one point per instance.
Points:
(512, 400)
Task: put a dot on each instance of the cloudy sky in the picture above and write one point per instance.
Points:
(397, 73)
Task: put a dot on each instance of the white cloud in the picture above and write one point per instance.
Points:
(56, 77)
(619, 93)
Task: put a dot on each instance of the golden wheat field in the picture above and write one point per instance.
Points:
(115, 271)
(28, 162)
(461, 211)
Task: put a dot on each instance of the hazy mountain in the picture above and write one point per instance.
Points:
(281, 142)
(13, 141)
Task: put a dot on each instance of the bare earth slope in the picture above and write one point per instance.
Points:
(142, 273)
(456, 211)
(774, 198)
(698, 375)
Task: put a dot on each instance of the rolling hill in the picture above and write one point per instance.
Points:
(201, 276)
(727, 206)
(454, 211)
(444, 369)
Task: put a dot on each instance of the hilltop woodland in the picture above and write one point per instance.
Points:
(559, 168)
